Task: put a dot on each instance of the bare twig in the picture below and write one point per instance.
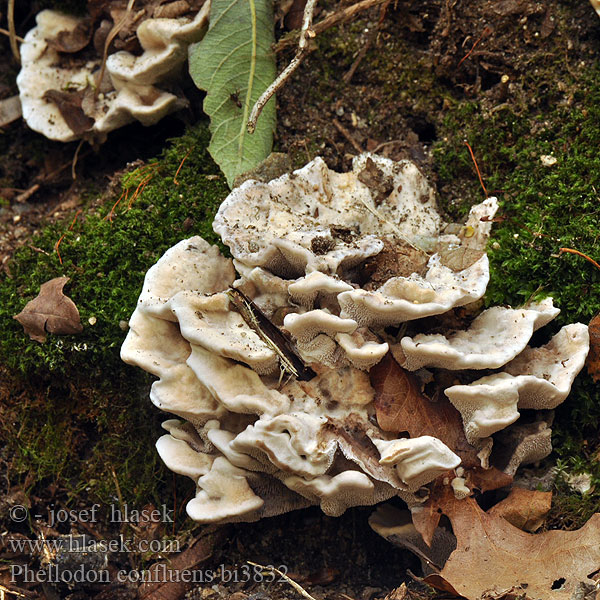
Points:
(12, 33)
(385, 145)
(334, 19)
(109, 38)
(571, 251)
(295, 585)
(305, 35)
(348, 136)
(372, 37)
(7, 33)
(16, 592)
(74, 163)
(28, 193)
(359, 57)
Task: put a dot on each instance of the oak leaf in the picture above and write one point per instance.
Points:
(427, 517)
(70, 106)
(164, 583)
(50, 312)
(400, 406)
(493, 556)
(593, 357)
(461, 258)
(523, 508)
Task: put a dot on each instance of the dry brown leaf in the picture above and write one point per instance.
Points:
(50, 312)
(485, 480)
(492, 556)
(593, 357)
(427, 517)
(380, 184)
(69, 105)
(166, 582)
(74, 40)
(400, 406)
(396, 259)
(460, 258)
(525, 509)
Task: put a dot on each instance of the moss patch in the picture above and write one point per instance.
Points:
(82, 407)
(542, 209)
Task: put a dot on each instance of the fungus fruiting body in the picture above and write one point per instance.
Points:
(265, 357)
(58, 82)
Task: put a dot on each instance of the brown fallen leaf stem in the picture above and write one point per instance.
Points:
(476, 168)
(571, 251)
(484, 33)
(62, 237)
(347, 135)
(335, 19)
(12, 33)
(180, 166)
(295, 585)
(306, 34)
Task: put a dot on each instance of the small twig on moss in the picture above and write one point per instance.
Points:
(571, 251)
(347, 135)
(335, 19)
(12, 32)
(372, 37)
(476, 168)
(62, 237)
(295, 585)
(306, 35)
(484, 33)
(181, 165)
(109, 38)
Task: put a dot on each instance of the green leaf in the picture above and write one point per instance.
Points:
(234, 63)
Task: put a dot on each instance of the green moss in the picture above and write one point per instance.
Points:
(542, 209)
(84, 415)
(106, 260)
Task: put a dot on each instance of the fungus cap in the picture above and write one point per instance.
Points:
(418, 460)
(274, 377)
(494, 338)
(129, 91)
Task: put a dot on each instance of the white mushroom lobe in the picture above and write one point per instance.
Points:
(270, 371)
